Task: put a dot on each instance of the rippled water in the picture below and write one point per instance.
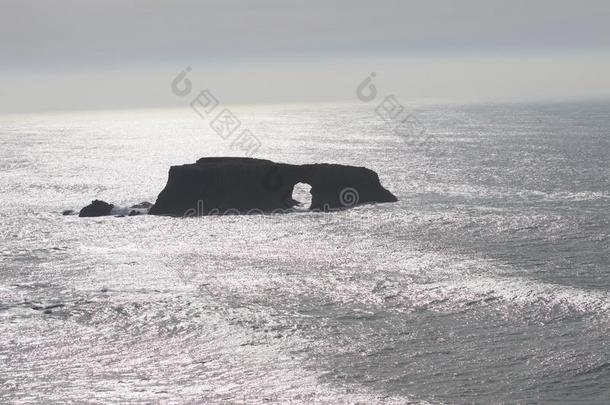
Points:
(488, 281)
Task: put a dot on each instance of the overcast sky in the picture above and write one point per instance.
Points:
(118, 54)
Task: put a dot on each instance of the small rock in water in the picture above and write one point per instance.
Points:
(97, 208)
(144, 204)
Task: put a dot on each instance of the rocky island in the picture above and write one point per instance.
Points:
(231, 185)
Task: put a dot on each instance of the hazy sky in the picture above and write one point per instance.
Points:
(118, 54)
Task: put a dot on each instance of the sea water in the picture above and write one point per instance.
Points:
(488, 281)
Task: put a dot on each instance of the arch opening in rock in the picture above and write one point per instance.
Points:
(301, 192)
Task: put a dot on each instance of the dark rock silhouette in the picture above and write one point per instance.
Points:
(229, 185)
(97, 208)
(100, 208)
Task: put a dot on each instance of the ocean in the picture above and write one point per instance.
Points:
(487, 282)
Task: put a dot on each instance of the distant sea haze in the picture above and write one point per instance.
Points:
(414, 78)
(487, 282)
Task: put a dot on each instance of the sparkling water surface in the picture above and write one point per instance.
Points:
(488, 282)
